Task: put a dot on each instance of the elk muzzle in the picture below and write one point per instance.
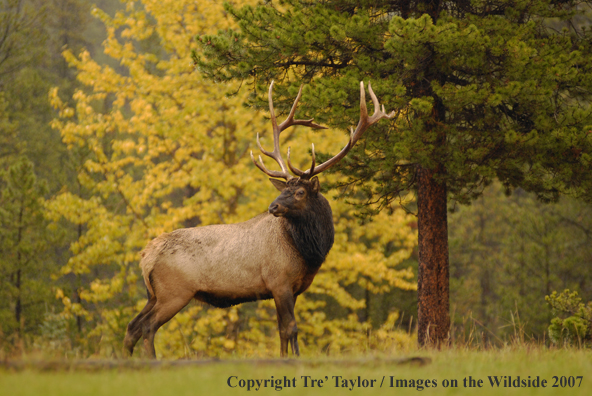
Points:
(277, 209)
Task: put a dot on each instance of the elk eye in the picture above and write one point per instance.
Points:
(300, 193)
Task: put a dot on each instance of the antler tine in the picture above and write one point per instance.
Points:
(363, 108)
(289, 121)
(379, 112)
(271, 111)
(268, 172)
(262, 149)
(275, 154)
(312, 167)
(294, 170)
(363, 124)
(297, 171)
(374, 100)
(284, 125)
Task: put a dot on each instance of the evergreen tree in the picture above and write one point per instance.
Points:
(9, 146)
(24, 240)
(20, 41)
(508, 253)
(486, 89)
(20, 20)
(34, 34)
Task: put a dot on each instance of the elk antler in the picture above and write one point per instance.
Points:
(363, 124)
(277, 129)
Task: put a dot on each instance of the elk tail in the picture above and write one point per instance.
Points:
(149, 257)
(147, 274)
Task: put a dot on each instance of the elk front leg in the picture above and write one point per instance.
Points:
(284, 304)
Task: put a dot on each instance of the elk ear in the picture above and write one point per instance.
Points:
(280, 185)
(315, 185)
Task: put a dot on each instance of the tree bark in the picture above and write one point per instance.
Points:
(18, 306)
(18, 309)
(432, 289)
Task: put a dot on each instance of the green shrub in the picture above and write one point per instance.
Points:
(572, 324)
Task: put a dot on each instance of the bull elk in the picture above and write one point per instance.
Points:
(274, 255)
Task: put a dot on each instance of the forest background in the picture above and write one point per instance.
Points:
(109, 137)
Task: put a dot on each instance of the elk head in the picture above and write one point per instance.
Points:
(296, 196)
(298, 191)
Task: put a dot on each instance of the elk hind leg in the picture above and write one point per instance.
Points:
(134, 328)
(162, 312)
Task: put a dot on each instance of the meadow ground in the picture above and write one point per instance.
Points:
(565, 372)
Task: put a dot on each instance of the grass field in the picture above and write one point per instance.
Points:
(572, 369)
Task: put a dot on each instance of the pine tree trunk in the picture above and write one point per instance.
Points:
(18, 310)
(18, 306)
(432, 288)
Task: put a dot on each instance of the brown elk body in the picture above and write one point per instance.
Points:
(274, 255)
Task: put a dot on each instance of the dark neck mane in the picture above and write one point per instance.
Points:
(312, 232)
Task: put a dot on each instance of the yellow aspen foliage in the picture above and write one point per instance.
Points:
(162, 148)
